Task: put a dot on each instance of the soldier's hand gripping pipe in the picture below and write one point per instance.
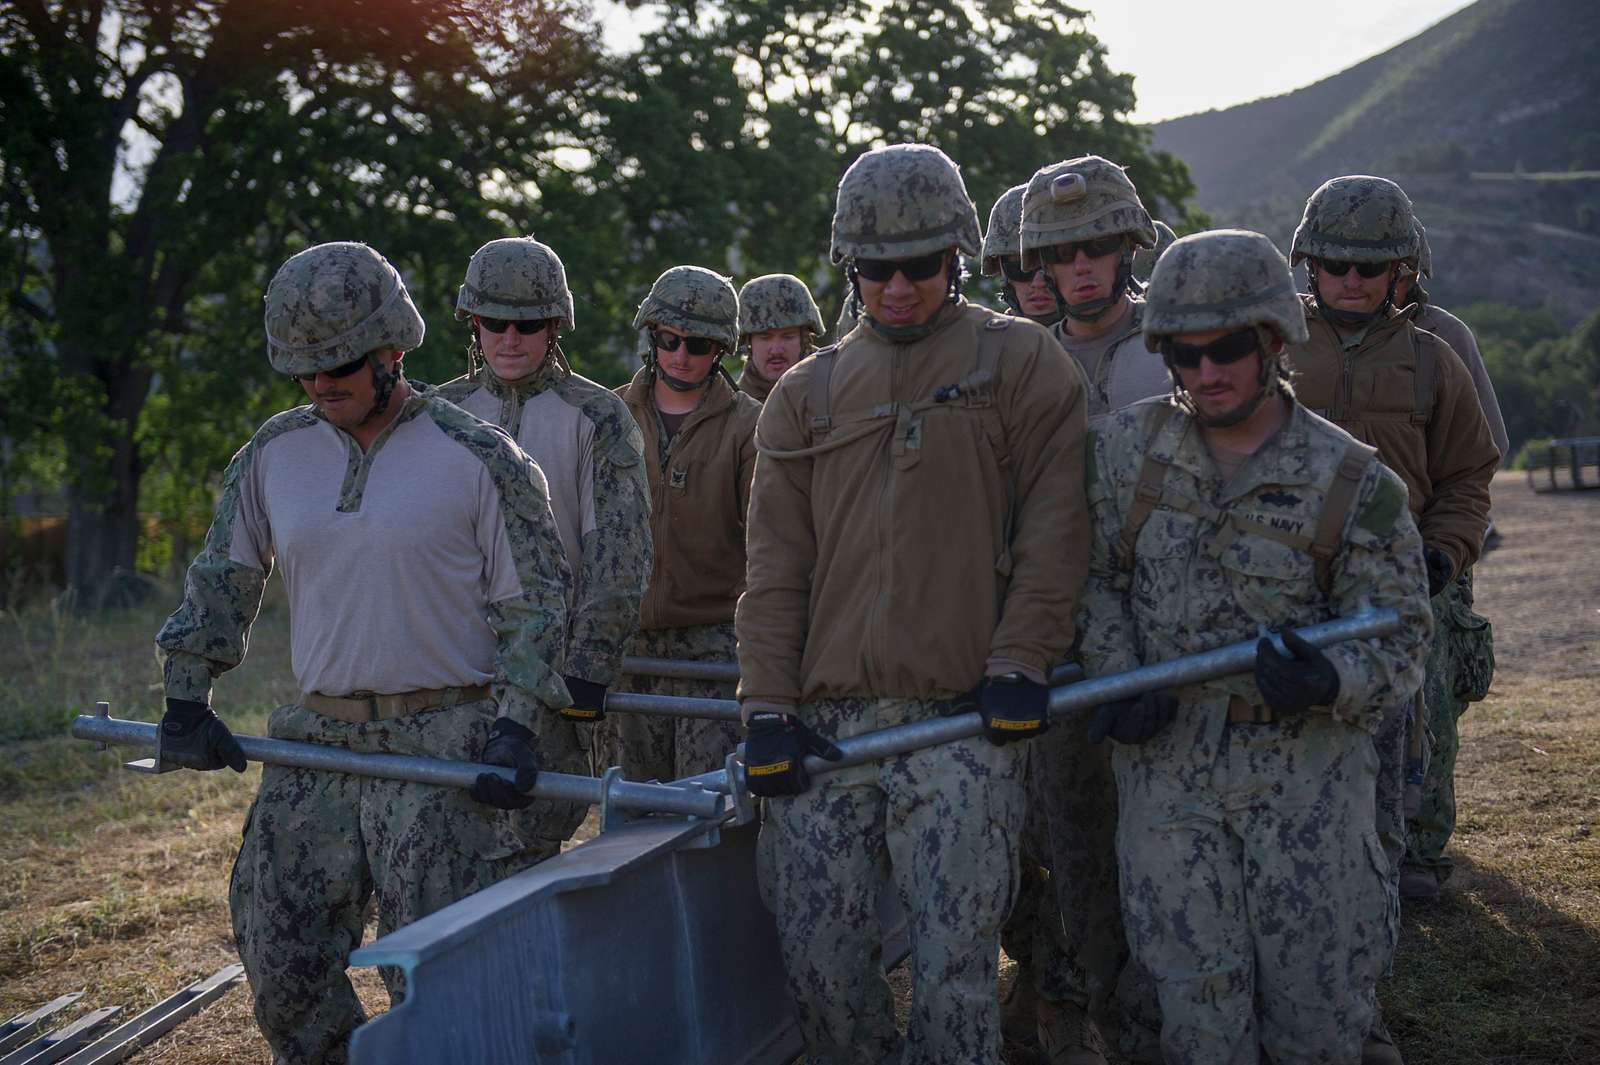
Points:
(510, 744)
(194, 730)
(1013, 708)
(588, 701)
(775, 750)
(1294, 683)
(1136, 720)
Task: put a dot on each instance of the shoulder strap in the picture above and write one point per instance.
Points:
(1146, 493)
(1427, 368)
(820, 399)
(1336, 507)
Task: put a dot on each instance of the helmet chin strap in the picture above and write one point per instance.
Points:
(1266, 386)
(1354, 319)
(1094, 310)
(678, 384)
(1008, 295)
(906, 334)
(383, 381)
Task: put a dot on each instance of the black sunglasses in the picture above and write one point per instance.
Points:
(344, 370)
(697, 345)
(918, 269)
(1094, 249)
(1339, 267)
(527, 326)
(1011, 266)
(1221, 352)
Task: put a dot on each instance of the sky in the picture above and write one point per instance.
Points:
(1196, 55)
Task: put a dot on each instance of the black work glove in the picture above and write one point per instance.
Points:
(1013, 708)
(1293, 683)
(775, 749)
(588, 700)
(1440, 569)
(509, 744)
(1133, 720)
(197, 736)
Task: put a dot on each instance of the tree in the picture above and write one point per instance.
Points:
(155, 154)
(722, 141)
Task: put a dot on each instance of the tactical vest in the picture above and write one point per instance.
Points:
(1323, 545)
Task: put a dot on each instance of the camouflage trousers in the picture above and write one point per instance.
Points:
(1460, 666)
(941, 824)
(1088, 962)
(1028, 936)
(1259, 903)
(670, 748)
(320, 848)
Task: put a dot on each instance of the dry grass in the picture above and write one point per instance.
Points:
(117, 884)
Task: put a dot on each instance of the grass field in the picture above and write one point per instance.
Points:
(116, 883)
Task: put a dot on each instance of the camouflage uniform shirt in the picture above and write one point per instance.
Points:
(391, 589)
(592, 457)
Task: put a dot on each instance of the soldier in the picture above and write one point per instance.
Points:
(1402, 390)
(1463, 643)
(586, 444)
(699, 442)
(1029, 293)
(1032, 936)
(779, 325)
(424, 622)
(1253, 883)
(1081, 224)
(874, 602)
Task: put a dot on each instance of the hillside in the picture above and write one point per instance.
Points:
(1468, 116)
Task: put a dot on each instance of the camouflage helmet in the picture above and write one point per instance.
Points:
(1424, 253)
(696, 302)
(902, 201)
(1222, 279)
(1144, 260)
(1356, 218)
(1080, 199)
(777, 301)
(1004, 235)
(517, 278)
(332, 304)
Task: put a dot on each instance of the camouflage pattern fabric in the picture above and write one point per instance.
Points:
(516, 278)
(1081, 199)
(1255, 888)
(777, 301)
(1356, 218)
(614, 556)
(941, 824)
(1222, 279)
(902, 201)
(1004, 235)
(670, 748)
(695, 301)
(333, 303)
(319, 847)
(1457, 674)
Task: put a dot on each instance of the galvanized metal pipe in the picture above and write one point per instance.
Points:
(718, 709)
(672, 706)
(681, 668)
(657, 798)
(1187, 669)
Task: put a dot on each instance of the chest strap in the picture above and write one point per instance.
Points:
(976, 389)
(1323, 545)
